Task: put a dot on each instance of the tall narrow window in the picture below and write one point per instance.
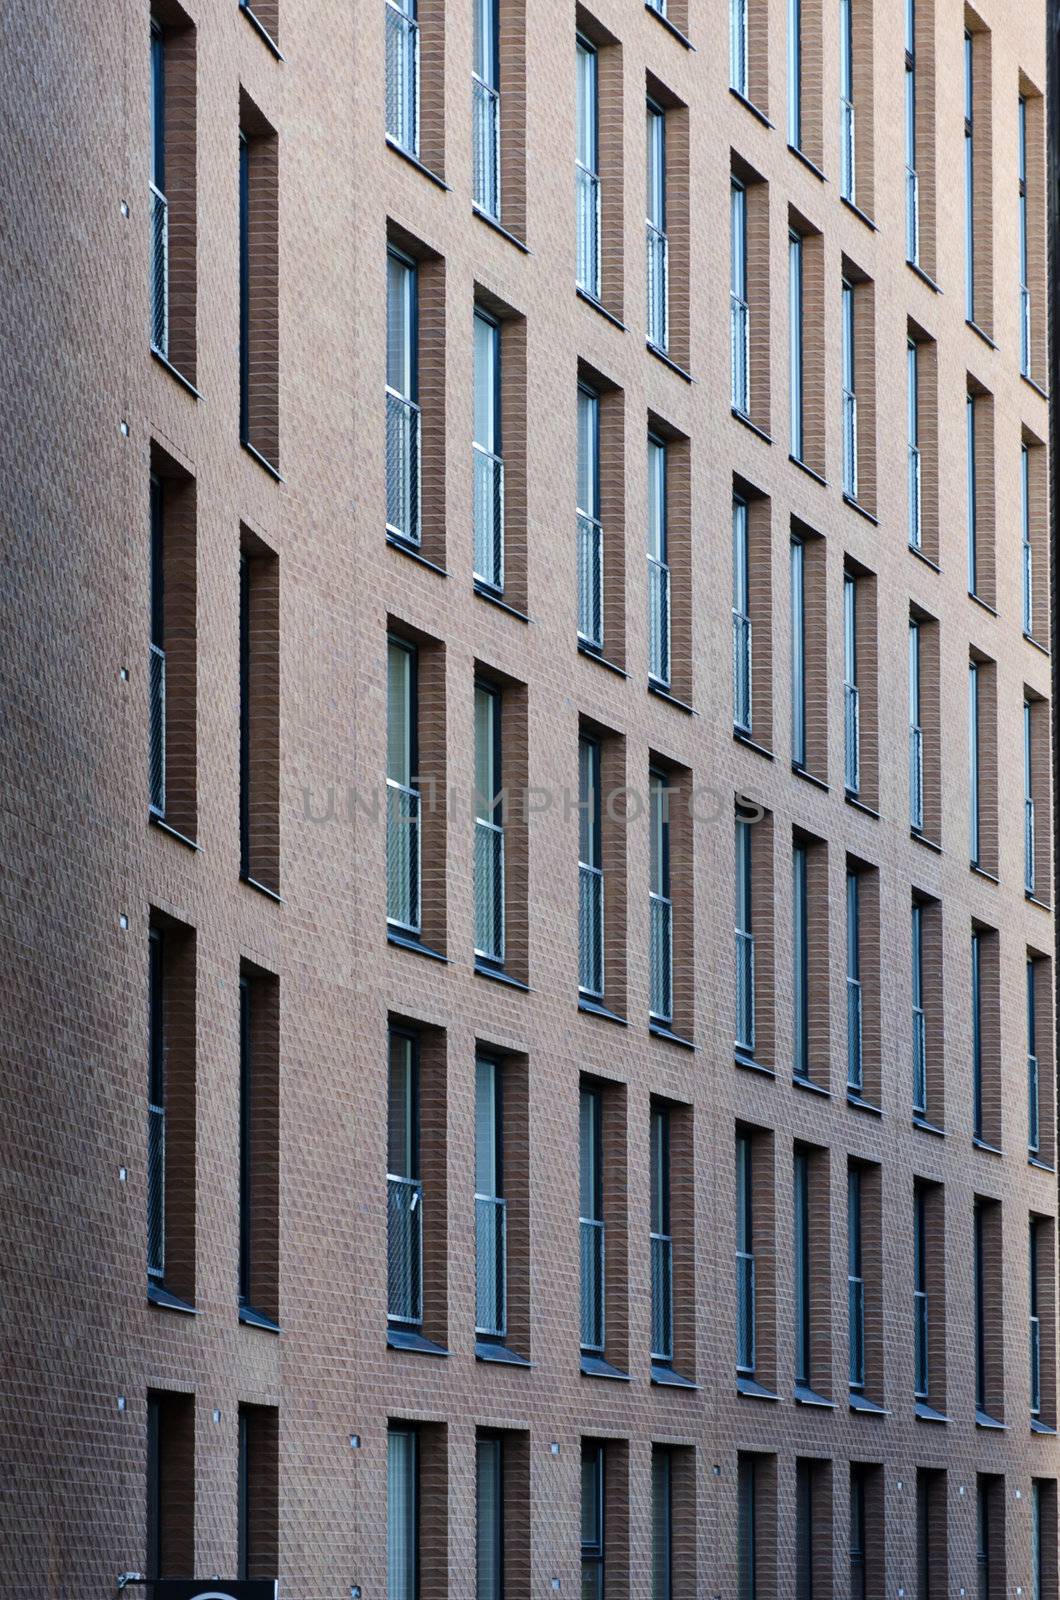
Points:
(1028, 799)
(402, 1513)
(974, 797)
(1035, 1323)
(739, 53)
(403, 74)
(662, 1306)
(741, 617)
(1025, 293)
(795, 74)
(489, 828)
(969, 179)
(156, 1111)
(590, 871)
(931, 1535)
(156, 660)
(259, 287)
(1033, 1082)
(259, 715)
(850, 399)
(745, 940)
(803, 1334)
(851, 694)
(487, 454)
(657, 241)
(662, 1524)
(159, 267)
(916, 732)
(591, 1221)
(858, 1524)
(170, 1484)
(402, 398)
(660, 902)
(658, 565)
(912, 182)
(913, 411)
(745, 1259)
(1026, 547)
(746, 1527)
(259, 1064)
(491, 1231)
(800, 859)
(592, 1520)
(921, 1375)
(489, 1517)
(972, 505)
(798, 653)
(978, 1098)
(590, 531)
(847, 138)
(403, 795)
(855, 1282)
(258, 1492)
(171, 1114)
(920, 1095)
(739, 307)
(404, 1185)
(486, 108)
(586, 169)
(855, 1059)
(795, 334)
(980, 1299)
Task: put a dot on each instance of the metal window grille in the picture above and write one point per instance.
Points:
(659, 621)
(658, 296)
(916, 777)
(590, 581)
(489, 517)
(587, 199)
(661, 956)
(489, 890)
(402, 467)
(403, 855)
(486, 135)
(591, 929)
(159, 271)
(852, 737)
(491, 1264)
(662, 1301)
(402, 77)
(854, 1041)
(738, 56)
(404, 1250)
(745, 991)
(156, 691)
(592, 1281)
(741, 670)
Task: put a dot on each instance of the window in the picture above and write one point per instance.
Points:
(159, 204)
(745, 939)
(1043, 1539)
(851, 693)
(402, 1512)
(402, 399)
(798, 653)
(978, 176)
(1025, 293)
(913, 391)
(795, 334)
(813, 1530)
(662, 1523)
(916, 733)
(590, 530)
(657, 241)
(1033, 1079)
(590, 871)
(486, 108)
(850, 399)
(259, 1140)
(156, 1112)
(156, 662)
(489, 828)
(855, 1281)
(746, 1313)
(1032, 230)
(172, 190)
(403, 74)
(259, 287)
(912, 179)
(858, 1518)
(171, 1113)
(591, 1222)
(172, 652)
(586, 170)
(795, 79)
(258, 1542)
(920, 1095)
(803, 1272)
(978, 1118)
(660, 901)
(259, 715)
(969, 179)
(740, 312)
(662, 1273)
(855, 1019)
(739, 55)
(658, 565)
(800, 859)
(1035, 1323)
(170, 1484)
(989, 1323)
(921, 1300)
(403, 795)
(491, 1234)
(602, 1188)
(489, 1517)
(932, 1523)
(1029, 876)
(973, 746)
(593, 1553)
(487, 454)
(973, 529)
(405, 1196)
(756, 1526)
(747, 1585)
(847, 140)
(741, 616)
(982, 756)
(989, 1534)
(1026, 544)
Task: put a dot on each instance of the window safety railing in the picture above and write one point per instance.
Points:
(855, 1073)
(489, 890)
(850, 444)
(491, 1265)
(738, 45)
(404, 1250)
(486, 133)
(659, 622)
(592, 1254)
(1033, 1107)
(590, 930)
(590, 581)
(920, 1344)
(919, 1062)
(662, 1298)
(1028, 845)
(1025, 330)
(661, 958)
(159, 271)
(156, 733)
(403, 856)
(852, 738)
(402, 78)
(745, 991)
(156, 1191)
(658, 287)
(489, 518)
(402, 467)
(1028, 587)
(916, 777)
(740, 317)
(847, 167)
(912, 215)
(741, 671)
(1036, 1366)
(856, 1326)
(745, 1312)
(587, 193)
(915, 525)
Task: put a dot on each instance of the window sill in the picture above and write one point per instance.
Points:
(808, 1085)
(261, 888)
(860, 1104)
(174, 833)
(261, 31)
(1042, 1166)
(406, 1339)
(983, 872)
(405, 941)
(927, 1413)
(922, 838)
(600, 659)
(1038, 1426)
(810, 472)
(992, 610)
(870, 1408)
(257, 1319)
(987, 1149)
(753, 1390)
(671, 699)
(862, 511)
(596, 1367)
(983, 1419)
(807, 161)
(485, 593)
(668, 361)
(667, 1378)
(160, 1297)
(862, 216)
(970, 323)
(914, 550)
(861, 805)
(484, 970)
(928, 1127)
(749, 1064)
(803, 1395)
(498, 227)
(659, 1030)
(1032, 900)
(925, 277)
(593, 1009)
(263, 461)
(414, 161)
(500, 1354)
(1037, 643)
(808, 776)
(671, 27)
(598, 305)
(414, 553)
(175, 372)
(1032, 383)
(745, 739)
(750, 106)
(742, 417)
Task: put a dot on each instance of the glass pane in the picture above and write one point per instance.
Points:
(488, 1519)
(586, 90)
(656, 154)
(401, 288)
(402, 1109)
(401, 1516)
(588, 446)
(399, 713)
(656, 500)
(487, 777)
(487, 1092)
(487, 352)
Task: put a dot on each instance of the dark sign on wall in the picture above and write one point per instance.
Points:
(212, 1589)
